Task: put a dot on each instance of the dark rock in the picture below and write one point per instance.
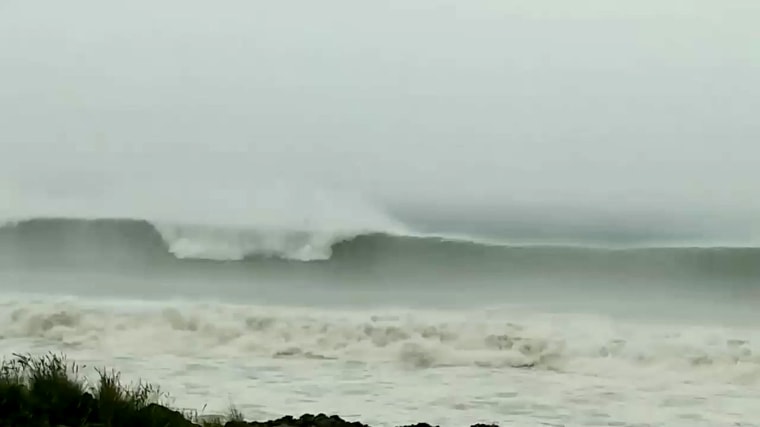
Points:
(155, 415)
(306, 420)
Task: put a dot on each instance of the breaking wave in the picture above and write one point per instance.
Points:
(491, 338)
(126, 242)
(184, 241)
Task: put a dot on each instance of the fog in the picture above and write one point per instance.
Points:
(626, 110)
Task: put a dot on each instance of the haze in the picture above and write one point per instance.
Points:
(598, 106)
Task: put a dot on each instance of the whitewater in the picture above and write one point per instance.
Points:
(524, 213)
(375, 321)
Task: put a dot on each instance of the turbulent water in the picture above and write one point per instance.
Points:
(389, 325)
(516, 212)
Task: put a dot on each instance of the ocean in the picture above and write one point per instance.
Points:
(392, 326)
(530, 213)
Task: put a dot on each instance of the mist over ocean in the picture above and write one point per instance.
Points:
(510, 212)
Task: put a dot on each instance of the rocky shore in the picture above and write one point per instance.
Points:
(47, 392)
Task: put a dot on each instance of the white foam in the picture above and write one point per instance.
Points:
(570, 343)
(507, 365)
(218, 243)
(286, 220)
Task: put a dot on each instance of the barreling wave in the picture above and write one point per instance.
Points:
(183, 241)
(57, 241)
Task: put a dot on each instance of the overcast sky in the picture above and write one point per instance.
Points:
(615, 105)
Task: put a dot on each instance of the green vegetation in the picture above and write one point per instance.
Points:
(48, 391)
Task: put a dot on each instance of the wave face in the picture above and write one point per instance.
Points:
(79, 238)
(112, 243)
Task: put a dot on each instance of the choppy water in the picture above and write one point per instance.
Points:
(277, 206)
(393, 330)
(391, 366)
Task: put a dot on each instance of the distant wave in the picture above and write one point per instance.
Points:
(140, 243)
(184, 241)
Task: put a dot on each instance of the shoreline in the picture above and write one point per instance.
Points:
(47, 391)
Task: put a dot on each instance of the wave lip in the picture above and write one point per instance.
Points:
(351, 253)
(230, 244)
(182, 240)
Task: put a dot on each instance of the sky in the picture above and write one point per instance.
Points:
(619, 108)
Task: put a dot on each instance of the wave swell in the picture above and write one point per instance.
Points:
(184, 241)
(99, 243)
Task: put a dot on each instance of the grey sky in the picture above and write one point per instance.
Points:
(615, 105)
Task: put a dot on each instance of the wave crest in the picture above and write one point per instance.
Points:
(104, 244)
(223, 223)
(183, 241)
(216, 243)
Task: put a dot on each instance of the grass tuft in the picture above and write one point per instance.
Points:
(234, 414)
(117, 402)
(48, 390)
